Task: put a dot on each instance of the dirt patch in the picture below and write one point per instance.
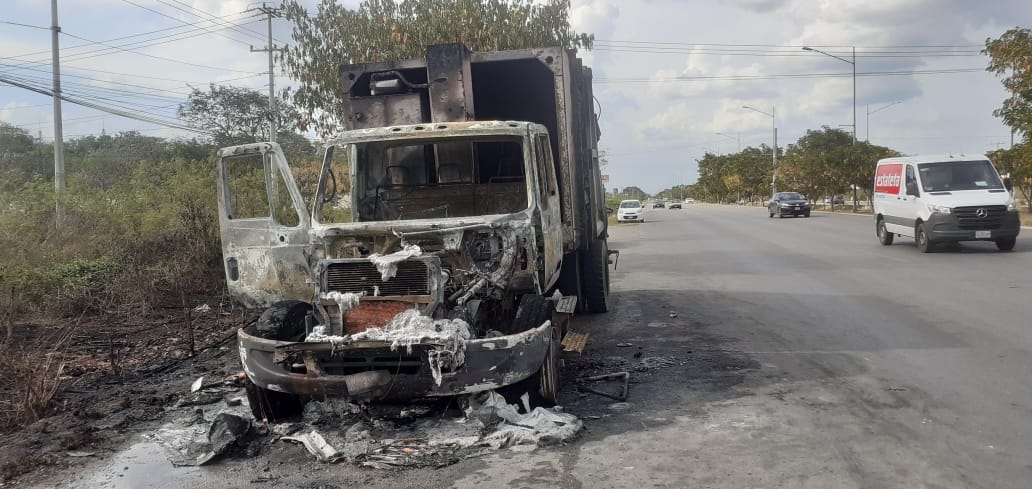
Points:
(109, 374)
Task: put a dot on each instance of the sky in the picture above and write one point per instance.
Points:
(669, 74)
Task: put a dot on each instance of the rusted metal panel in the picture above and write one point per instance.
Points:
(388, 110)
(372, 314)
(450, 83)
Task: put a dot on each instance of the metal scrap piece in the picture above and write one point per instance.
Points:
(626, 376)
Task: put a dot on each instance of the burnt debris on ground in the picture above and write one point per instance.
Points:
(369, 435)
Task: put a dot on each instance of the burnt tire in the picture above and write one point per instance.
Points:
(272, 406)
(1006, 244)
(884, 236)
(542, 386)
(924, 243)
(283, 321)
(595, 277)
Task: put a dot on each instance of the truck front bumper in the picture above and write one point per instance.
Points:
(373, 371)
(945, 227)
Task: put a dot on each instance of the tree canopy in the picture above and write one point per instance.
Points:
(381, 30)
(1010, 56)
(236, 115)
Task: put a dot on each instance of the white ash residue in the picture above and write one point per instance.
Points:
(410, 327)
(388, 264)
(346, 301)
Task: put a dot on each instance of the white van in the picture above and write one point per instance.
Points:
(943, 199)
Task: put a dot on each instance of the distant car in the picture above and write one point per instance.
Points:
(675, 205)
(658, 204)
(630, 210)
(788, 204)
(689, 201)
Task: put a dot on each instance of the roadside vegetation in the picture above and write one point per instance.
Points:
(138, 227)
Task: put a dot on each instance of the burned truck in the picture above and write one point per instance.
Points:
(455, 223)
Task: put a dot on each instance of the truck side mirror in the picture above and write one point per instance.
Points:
(1007, 184)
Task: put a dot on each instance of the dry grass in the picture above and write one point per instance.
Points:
(31, 377)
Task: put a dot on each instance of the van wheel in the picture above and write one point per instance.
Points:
(884, 236)
(921, 238)
(770, 213)
(1005, 244)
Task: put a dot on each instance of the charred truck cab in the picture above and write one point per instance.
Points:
(443, 253)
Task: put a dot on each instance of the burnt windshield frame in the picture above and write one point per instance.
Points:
(963, 175)
(497, 160)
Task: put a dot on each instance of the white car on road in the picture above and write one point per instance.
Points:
(630, 210)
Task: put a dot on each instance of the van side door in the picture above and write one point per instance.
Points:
(910, 200)
(263, 225)
(888, 197)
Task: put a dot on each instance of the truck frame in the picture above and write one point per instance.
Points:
(455, 225)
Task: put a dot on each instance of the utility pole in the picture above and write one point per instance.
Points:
(59, 170)
(271, 48)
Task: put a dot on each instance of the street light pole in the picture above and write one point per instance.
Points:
(774, 150)
(808, 48)
(869, 112)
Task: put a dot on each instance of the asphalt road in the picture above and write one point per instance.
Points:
(765, 353)
(819, 358)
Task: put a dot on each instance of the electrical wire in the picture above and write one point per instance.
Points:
(130, 2)
(783, 76)
(129, 113)
(77, 46)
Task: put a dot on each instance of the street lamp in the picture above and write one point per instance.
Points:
(774, 150)
(869, 112)
(736, 137)
(808, 48)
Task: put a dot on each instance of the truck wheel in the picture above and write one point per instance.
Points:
(595, 277)
(1006, 244)
(283, 321)
(272, 406)
(924, 244)
(884, 236)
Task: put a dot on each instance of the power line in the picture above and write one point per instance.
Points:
(830, 46)
(130, 2)
(252, 32)
(604, 80)
(137, 115)
(163, 58)
(77, 46)
(24, 25)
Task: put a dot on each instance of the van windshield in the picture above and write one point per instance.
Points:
(958, 175)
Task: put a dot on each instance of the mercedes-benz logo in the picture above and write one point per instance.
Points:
(981, 213)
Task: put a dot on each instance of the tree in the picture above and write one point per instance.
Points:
(237, 115)
(1016, 162)
(381, 30)
(1010, 56)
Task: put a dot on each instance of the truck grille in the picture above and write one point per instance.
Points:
(413, 278)
(968, 218)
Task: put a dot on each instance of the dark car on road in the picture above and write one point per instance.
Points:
(788, 204)
(658, 204)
